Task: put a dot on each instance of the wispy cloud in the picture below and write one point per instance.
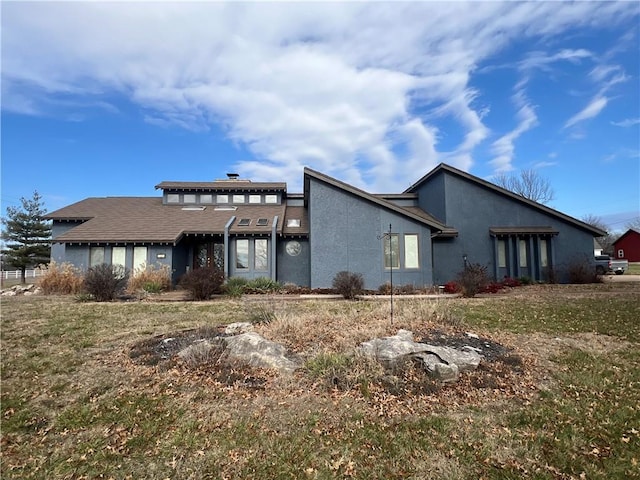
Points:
(590, 111)
(352, 89)
(628, 122)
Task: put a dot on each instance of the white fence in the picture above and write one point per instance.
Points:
(15, 274)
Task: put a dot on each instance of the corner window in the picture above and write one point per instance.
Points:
(391, 246)
(411, 259)
(173, 198)
(96, 256)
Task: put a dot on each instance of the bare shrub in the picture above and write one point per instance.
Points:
(105, 282)
(201, 283)
(473, 279)
(581, 271)
(60, 279)
(348, 284)
(151, 278)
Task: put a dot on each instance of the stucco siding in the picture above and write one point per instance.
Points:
(294, 269)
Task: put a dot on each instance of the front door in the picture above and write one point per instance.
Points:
(208, 255)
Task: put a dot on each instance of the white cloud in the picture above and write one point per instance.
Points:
(627, 122)
(590, 111)
(352, 89)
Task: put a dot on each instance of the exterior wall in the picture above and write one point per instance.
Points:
(472, 209)
(294, 269)
(630, 245)
(345, 234)
(58, 251)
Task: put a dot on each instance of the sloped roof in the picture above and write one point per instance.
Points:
(223, 186)
(415, 213)
(299, 213)
(443, 167)
(146, 219)
(631, 231)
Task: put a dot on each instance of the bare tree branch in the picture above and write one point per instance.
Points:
(528, 184)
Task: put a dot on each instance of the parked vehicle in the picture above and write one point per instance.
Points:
(604, 264)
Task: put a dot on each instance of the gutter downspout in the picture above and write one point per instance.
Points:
(274, 250)
(226, 245)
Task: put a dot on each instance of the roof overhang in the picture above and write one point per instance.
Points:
(534, 230)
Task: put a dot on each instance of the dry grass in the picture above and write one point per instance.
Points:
(60, 279)
(150, 278)
(76, 405)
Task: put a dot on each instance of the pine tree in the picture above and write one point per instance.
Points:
(26, 235)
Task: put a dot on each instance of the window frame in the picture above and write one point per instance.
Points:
(394, 246)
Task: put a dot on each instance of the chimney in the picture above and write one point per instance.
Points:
(233, 176)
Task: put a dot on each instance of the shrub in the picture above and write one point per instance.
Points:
(262, 285)
(348, 284)
(201, 283)
(493, 287)
(473, 279)
(511, 282)
(582, 271)
(526, 280)
(152, 279)
(452, 287)
(63, 279)
(105, 282)
(235, 286)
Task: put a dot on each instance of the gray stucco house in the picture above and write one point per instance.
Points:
(425, 234)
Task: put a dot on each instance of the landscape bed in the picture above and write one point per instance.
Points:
(561, 401)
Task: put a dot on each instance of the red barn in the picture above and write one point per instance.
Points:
(628, 246)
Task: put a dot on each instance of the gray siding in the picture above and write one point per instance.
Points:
(296, 269)
(345, 233)
(472, 209)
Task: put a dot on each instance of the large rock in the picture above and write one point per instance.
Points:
(444, 363)
(259, 352)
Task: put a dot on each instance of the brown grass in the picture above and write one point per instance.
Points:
(60, 279)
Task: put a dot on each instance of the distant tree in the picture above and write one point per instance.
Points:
(26, 235)
(529, 184)
(634, 224)
(606, 241)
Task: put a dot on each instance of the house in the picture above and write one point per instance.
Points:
(628, 246)
(424, 235)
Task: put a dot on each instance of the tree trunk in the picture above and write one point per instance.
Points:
(23, 275)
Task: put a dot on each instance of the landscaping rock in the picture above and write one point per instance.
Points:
(259, 352)
(238, 328)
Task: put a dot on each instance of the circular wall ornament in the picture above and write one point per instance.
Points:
(294, 248)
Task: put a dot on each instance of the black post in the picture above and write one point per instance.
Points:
(391, 271)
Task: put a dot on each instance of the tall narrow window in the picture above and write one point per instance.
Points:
(544, 252)
(502, 253)
(411, 258)
(523, 252)
(242, 254)
(96, 256)
(261, 254)
(139, 259)
(391, 247)
(118, 256)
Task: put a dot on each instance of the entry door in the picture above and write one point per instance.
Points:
(209, 254)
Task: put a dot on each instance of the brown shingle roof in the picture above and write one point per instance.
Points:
(144, 219)
(299, 213)
(224, 185)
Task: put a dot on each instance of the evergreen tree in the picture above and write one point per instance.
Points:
(26, 235)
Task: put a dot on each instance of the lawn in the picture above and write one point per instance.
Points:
(75, 404)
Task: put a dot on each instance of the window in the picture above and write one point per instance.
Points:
(502, 253)
(242, 254)
(244, 222)
(206, 198)
(411, 259)
(271, 199)
(293, 222)
(391, 251)
(238, 199)
(255, 199)
(544, 253)
(139, 258)
(621, 253)
(261, 255)
(173, 198)
(523, 253)
(96, 256)
(222, 198)
(189, 198)
(262, 222)
(118, 256)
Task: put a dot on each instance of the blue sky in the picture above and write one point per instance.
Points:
(109, 99)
